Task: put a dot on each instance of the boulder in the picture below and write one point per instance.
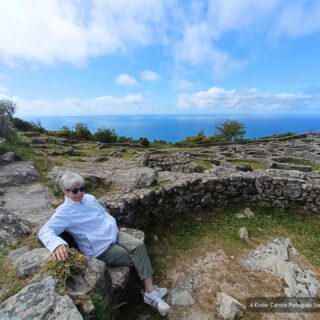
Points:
(181, 294)
(9, 157)
(230, 308)
(12, 230)
(18, 173)
(39, 300)
(146, 179)
(93, 277)
(27, 261)
(273, 258)
(29, 202)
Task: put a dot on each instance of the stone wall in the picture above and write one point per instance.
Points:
(192, 192)
(5, 129)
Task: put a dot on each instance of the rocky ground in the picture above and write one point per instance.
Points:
(146, 186)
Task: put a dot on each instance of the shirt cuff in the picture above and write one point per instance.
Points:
(56, 243)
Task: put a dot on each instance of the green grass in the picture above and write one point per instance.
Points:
(8, 277)
(43, 165)
(189, 233)
(280, 135)
(204, 163)
(19, 147)
(255, 164)
(303, 163)
(63, 270)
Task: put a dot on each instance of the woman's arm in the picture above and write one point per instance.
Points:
(48, 234)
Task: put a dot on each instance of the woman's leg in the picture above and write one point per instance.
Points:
(139, 256)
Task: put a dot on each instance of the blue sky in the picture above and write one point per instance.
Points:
(81, 57)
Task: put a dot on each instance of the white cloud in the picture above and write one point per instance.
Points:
(102, 105)
(299, 19)
(148, 75)
(219, 99)
(126, 80)
(74, 30)
(204, 26)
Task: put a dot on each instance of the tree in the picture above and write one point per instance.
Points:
(231, 129)
(8, 108)
(81, 131)
(144, 142)
(105, 135)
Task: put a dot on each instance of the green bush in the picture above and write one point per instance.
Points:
(27, 126)
(105, 135)
(81, 131)
(123, 139)
(144, 142)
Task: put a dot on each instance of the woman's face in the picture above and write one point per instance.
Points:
(75, 194)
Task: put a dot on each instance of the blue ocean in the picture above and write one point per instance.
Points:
(173, 128)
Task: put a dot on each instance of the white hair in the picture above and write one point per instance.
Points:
(69, 180)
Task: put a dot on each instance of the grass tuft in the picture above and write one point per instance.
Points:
(62, 270)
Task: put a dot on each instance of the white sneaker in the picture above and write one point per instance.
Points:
(156, 302)
(162, 292)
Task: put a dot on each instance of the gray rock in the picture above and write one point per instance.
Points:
(17, 173)
(181, 294)
(240, 215)
(120, 277)
(9, 157)
(287, 166)
(248, 213)
(146, 179)
(12, 230)
(230, 308)
(273, 258)
(244, 234)
(101, 159)
(39, 301)
(94, 277)
(27, 261)
(134, 232)
(30, 202)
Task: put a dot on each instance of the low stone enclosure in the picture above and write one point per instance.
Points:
(148, 195)
(192, 192)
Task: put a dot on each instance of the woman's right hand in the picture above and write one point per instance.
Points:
(60, 253)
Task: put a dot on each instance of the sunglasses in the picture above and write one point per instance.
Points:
(76, 190)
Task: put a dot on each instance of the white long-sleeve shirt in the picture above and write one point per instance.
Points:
(92, 227)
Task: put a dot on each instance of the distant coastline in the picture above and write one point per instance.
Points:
(173, 128)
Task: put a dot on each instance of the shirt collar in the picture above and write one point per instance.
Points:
(67, 200)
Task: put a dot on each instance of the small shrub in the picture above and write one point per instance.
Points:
(81, 131)
(105, 135)
(144, 142)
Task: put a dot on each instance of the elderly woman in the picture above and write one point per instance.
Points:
(96, 234)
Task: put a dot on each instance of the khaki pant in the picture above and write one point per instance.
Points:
(128, 251)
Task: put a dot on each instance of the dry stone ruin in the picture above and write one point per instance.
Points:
(152, 186)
